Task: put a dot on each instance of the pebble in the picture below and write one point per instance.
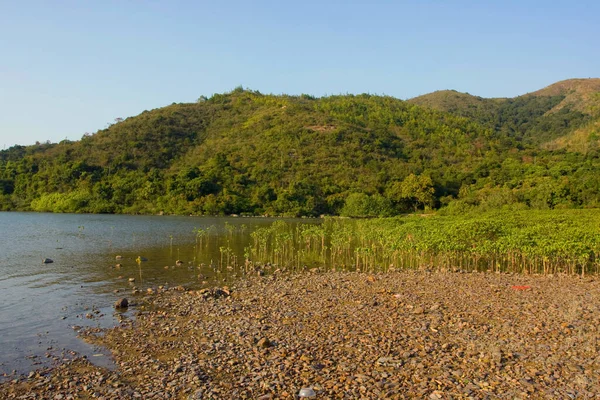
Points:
(405, 334)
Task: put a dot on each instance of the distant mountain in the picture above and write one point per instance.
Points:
(579, 94)
(455, 102)
(538, 117)
(247, 152)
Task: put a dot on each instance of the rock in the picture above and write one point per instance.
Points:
(307, 393)
(389, 362)
(131, 279)
(264, 343)
(496, 355)
(122, 303)
(178, 262)
(47, 260)
(118, 266)
(118, 257)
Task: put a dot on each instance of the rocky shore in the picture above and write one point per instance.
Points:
(347, 335)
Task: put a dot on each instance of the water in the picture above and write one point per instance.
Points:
(41, 303)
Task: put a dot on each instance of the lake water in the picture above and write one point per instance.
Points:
(41, 303)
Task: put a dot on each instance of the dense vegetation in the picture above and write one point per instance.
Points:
(524, 118)
(365, 155)
(566, 241)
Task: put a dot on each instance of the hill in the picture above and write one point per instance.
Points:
(463, 104)
(538, 117)
(246, 152)
(582, 95)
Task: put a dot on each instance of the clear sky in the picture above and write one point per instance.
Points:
(70, 67)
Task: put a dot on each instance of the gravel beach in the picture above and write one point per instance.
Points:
(423, 335)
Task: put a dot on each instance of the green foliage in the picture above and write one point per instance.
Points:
(525, 119)
(363, 205)
(62, 202)
(417, 191)
(246, 152)
(509, 241)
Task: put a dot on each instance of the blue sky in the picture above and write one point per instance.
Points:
(70, 67)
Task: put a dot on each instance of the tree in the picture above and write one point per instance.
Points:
(363, 205)
(418, 191)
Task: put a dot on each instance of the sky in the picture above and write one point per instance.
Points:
(71, 67)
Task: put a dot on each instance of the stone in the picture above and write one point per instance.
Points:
(389, 362)
(122, 303)
(264, 343)
(47, 260)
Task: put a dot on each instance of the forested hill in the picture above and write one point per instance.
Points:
(246, 152)
(539, 117)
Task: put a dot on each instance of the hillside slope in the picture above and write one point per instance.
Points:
(538, 117)
(582, 95)
(246, 152)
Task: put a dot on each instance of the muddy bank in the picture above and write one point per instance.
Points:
(348, 335)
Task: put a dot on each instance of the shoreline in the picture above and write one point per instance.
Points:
(400, 334)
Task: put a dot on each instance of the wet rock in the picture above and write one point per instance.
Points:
(47, 260)
(122, 303)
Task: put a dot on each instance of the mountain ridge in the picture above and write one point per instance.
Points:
(578, 92)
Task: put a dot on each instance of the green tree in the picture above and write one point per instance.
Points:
(418, 191)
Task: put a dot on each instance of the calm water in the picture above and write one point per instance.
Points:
(40, 303)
